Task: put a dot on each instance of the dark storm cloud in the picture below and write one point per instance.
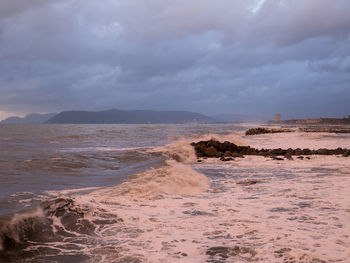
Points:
(253, 57)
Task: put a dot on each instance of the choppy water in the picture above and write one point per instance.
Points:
(135, 193)
(39, 158)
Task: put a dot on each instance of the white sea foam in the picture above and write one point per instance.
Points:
(301, 140)
(297, 211)
(292, 208)
(173, 179)
(179, 150)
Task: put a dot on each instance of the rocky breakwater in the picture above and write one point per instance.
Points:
(227, 151)
(261, 130)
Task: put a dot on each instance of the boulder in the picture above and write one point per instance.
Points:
(224, 146)
(247, 182)
(227, 154)
(226, 159)
(298, 151)
(257, 131)
(323, 151)
(288, 156)
(276, 158)
(211, 152)
(307, 151)
(219, 154)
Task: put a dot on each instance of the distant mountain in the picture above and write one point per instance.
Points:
(115, 116)
(33, 118)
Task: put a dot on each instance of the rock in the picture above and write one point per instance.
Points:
(323, 151)
(224, 146)
(339, 151)
(237, 155)
(262, 153)
(277, 158)
(257, 131)
(210, 152)
(300, 157)
(227, 154)
(226, 159)
(247, 182)
(226, 149)
(298, 151)
(278, 151)
(288, 156)
(307, 151)
(290, 150)
(219, 154)
(199, 154)
(200, 149)
(240, 149)
(213, 143)
(251, 151)
(261, 130)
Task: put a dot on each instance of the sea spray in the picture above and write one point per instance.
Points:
(16, 231)
(233, 137)
(180, 151)
(173, 179)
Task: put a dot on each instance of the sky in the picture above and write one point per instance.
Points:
(251, 57)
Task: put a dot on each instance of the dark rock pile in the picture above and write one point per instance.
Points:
(260, 130)
(226, 151)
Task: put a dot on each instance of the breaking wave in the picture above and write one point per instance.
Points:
(172, 179)
(64, 229)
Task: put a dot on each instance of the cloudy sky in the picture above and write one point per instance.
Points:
(250, 57)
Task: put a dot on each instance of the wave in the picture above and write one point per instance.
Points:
(180, 151)
(172, 179)
(56, 225)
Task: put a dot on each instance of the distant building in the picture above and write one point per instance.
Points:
(278, 117)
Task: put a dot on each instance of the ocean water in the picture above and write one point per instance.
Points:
(136, 193)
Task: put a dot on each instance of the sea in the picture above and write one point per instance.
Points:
(138, 193)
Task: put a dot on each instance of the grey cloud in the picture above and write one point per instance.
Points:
(288, 22)
(13, 7)
(207, 56)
